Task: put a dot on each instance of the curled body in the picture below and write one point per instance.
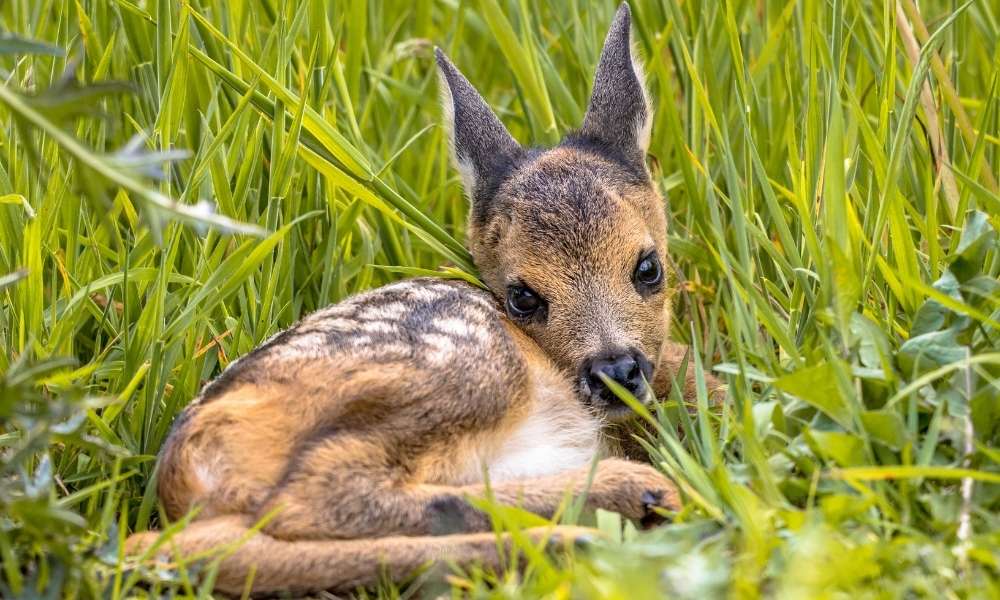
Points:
(424, 382)
(378, 418)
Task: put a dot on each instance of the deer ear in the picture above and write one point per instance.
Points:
(482, 148)
(619, 113)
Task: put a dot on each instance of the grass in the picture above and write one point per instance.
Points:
(181, 179)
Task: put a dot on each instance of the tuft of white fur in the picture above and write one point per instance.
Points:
(467, 327)
(644, 127)
(205, 471)
(558, 435)
(441, 349)
(384, 326)
(544, 446)
(465, 169)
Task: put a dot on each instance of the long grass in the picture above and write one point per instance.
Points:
(181, 179)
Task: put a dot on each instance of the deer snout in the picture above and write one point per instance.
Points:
(628, 368)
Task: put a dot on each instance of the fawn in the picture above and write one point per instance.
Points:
(362, 430)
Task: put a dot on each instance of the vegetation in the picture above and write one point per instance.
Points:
(181, 179)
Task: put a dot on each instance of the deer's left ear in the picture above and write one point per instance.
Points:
(481, 146)
(619, 113)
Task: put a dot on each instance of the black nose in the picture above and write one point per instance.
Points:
(629, 369)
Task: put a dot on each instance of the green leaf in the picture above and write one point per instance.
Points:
(845, 449)
(930, 350)
(11, 278)
(526, 71)
(885, 426)
(846, 288)
(985, 412)
(978, 237)
(68, 99)
(913, 472)
(114, 174)
(874, 350)
(819, 386)
(14, 44)
(443, 273)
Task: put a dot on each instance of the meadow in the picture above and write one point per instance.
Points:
(180, 179)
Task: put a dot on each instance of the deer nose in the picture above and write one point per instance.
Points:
(629, 369)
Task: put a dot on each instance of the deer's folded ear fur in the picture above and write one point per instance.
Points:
(619, 113)
(482, 148)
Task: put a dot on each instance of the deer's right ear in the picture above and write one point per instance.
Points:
(482, 148)
(619, 113)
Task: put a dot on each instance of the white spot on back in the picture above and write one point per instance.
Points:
(440, 348)
(204, 472)
(392, 310)
(468, 326)
(453, 325)
(382, 326)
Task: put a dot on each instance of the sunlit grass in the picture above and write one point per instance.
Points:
(832, 229)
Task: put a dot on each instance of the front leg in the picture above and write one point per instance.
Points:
(329, 498)
(632, 489)
(672, 359)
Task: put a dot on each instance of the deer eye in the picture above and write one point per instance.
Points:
(648, 273)
(523, 302)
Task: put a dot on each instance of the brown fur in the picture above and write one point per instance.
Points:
(358, 435)
(304, 566)
(337, 438)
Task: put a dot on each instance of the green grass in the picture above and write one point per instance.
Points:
(833, 234)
